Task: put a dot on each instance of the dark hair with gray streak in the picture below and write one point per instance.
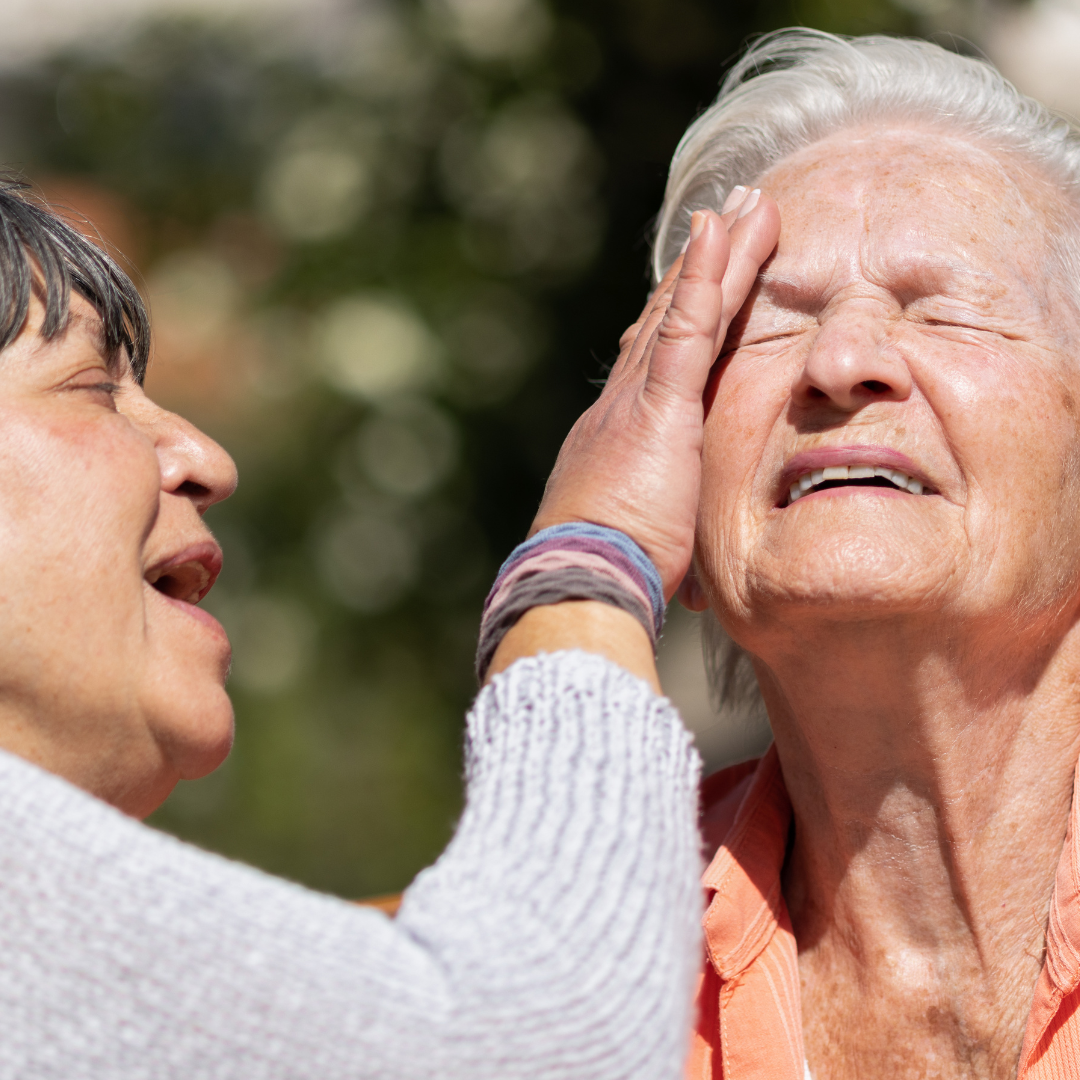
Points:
(42, 253)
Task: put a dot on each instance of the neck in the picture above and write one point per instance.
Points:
(931, 789)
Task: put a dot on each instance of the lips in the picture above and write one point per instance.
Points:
(851, 466)
(189, 574)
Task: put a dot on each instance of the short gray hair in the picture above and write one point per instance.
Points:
(795, 87)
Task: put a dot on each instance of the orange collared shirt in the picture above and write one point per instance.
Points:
(749, 1009)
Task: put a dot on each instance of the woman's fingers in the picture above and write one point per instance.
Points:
(659, 299)
(636, 337)
(633, 460)
(753, 240)
(681, 353)
(637, 342)
(718, 272)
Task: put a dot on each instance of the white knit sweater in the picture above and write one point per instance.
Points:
(556, 937)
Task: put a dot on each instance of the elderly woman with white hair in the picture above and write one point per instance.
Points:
(888, 531)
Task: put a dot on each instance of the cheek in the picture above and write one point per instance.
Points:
(1012, 423)
(78, 495)
(746, 411)
(748, 400)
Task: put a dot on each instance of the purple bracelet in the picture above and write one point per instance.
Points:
(575, 561)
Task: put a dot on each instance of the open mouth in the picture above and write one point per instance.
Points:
(189, 574)
(834, 476)
(189, 581)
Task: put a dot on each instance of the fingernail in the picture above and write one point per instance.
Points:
(697, 223)
(738, 193)
(751, 202)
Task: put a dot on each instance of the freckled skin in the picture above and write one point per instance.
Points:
(104, 680)
(918, 654)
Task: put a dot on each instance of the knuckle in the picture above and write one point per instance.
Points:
(677, 328)
(660, 395)
(616, 375)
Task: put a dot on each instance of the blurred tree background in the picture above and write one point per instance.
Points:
(387, 264)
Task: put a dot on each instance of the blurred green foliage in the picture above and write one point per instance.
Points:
(386, 268)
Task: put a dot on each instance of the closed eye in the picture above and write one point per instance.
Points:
(960, 324)
(778, 336)
(110, 388)
(745, 343)
(104, 391)
(950, 322)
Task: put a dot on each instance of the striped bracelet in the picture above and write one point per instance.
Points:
(575, 561)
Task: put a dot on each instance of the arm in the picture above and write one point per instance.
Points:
(580, 624)
(556, 937)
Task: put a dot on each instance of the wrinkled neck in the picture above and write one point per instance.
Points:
(931, 779)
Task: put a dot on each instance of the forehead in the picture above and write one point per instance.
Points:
(890, 203)
(84, 328)
(81, 335)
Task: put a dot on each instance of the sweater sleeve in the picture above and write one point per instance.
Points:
(557, 936)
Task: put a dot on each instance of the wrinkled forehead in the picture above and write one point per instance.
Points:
(893, 204)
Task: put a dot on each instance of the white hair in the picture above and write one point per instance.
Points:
(795, 87)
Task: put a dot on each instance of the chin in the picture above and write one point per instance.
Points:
(851, 576)
(196, 738)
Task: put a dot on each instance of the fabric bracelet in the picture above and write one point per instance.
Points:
(574, 561)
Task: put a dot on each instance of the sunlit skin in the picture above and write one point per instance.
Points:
(918, 653)
(107, 680)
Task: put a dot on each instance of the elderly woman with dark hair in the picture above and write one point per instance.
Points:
(888, 529)
(556, 937)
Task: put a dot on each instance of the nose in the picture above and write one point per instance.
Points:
(850, 364)
(192, 464)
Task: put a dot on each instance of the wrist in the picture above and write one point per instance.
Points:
(572, 561)
(589, 625)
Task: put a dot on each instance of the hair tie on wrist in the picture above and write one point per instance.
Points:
(575, 561)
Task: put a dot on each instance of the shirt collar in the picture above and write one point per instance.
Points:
(747, 906)
(1063, 926)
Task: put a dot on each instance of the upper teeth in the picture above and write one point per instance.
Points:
(810, 480)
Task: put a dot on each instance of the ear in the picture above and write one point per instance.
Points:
(690, 593)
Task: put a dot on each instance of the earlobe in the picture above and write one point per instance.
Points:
(690, 593)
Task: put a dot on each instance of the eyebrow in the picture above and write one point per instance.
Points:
(800, 292)
(776, 283)
(94, 328)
